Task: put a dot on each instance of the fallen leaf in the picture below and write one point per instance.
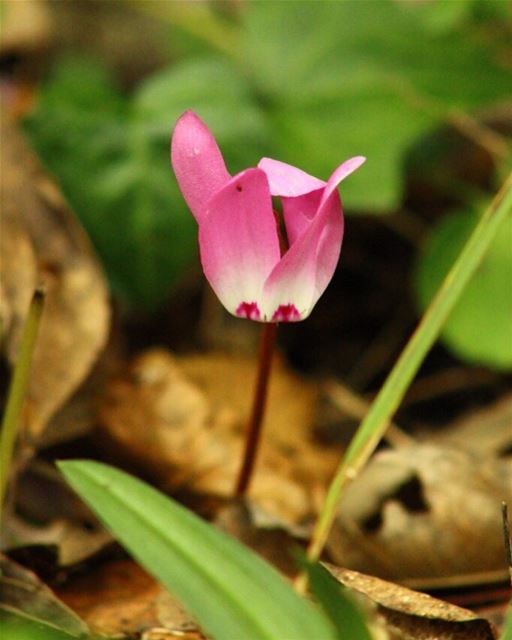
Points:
(183, 421)
(486, 431)
(119, 597)
(51, 517)
(424, 511)
(76, 418)
(273, 539)
(44, 243)
(411, 615)
(74, 543)
(18, 280)
(26, 27)
(22, 593)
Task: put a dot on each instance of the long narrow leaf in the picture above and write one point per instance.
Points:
(337, 603)
(507, 629)
(389, 397)
(17, 389)
(231, 592)
(16, 627)
(23, 597)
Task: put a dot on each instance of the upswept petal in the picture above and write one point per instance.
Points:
(288, 181)
(298, 212)
(303, 273)
(328, 251)
(197, 162)
(238, 241)
(340, 173)
(294, 279)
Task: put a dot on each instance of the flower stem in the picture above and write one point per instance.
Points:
(387, 401)
(268, 337)
(17, 389)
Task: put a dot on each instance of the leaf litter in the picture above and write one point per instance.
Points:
(412, 511)
(182, 420)
(410, 615)
(425, 512)
(24, 594)
(179, 419)
(45, 244)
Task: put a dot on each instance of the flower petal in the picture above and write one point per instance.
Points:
(239, 242)
(285, 180)
(340, 173)
(298, 212)
(294, 280)
(197, 162)
(303, 273)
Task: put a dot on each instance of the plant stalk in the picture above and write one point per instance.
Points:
(392, 392)
(267, 341)
(17, 389)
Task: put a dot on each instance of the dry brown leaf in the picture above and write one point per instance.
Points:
(426, 511)
(183, 421)
(44, 243)
(487, 431)
(73, 542)
(121, 598)
(289, 444)
(274, 540)
(23, 593)
(411, 615)
(49, 514)
(19, 278)
(76, 418)
(26, 26)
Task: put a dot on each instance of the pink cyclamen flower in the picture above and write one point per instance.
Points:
(238, 233)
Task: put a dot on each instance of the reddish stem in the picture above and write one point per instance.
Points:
(268, 337)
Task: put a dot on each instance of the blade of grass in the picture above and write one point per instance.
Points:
(24, 597)
(507, 630)
(17, 389)
(16, 627)
(392, 392)
(230, 591)
(338, 604)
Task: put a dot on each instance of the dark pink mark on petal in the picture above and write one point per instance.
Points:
(248, 310)
(286, 313)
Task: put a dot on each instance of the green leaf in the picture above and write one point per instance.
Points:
(216, 91)
(26, 602)
(113, 162)
(337, 603)
(18, 628)
(387, 401)
(377, 187)
(507, 631)
(231, 592)
(364, 78)
(118, 182)
(480, 326)
(442, 16)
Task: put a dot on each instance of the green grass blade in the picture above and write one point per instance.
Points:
(337, 603)
(25, 599)
(230, 591)
(17, 389)
(507, 629)
(16, 627)
(389, 397)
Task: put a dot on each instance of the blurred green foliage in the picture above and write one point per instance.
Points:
(368, 78)
(111, 155)
(310, 83)
(15, 627)
(480, 327)
(337, 602)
